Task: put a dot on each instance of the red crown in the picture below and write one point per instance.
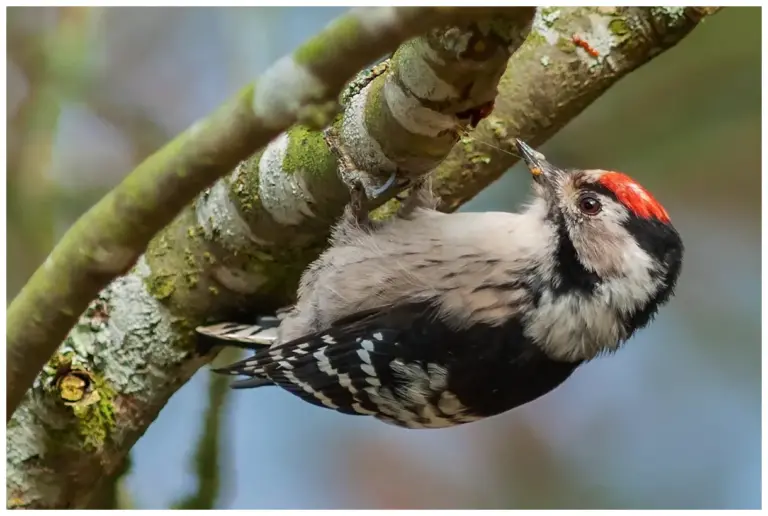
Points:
(636, 198)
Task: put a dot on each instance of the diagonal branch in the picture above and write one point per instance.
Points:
(240, 244)
(244, 242)
(567, 78)
(108, 239)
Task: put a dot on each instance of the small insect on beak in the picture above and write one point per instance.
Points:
(542, 171)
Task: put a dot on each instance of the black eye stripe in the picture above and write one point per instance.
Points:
(598, 189)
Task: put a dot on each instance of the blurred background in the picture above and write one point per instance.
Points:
(673, 421)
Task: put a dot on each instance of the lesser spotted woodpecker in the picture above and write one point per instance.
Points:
(431, 320)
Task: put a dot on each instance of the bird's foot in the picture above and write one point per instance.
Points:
(419, 195)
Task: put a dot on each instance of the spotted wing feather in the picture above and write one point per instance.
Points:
(336, 368)
(407, 367)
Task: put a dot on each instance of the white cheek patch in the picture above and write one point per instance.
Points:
(578, 326)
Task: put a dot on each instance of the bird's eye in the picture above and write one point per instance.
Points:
(589, 205)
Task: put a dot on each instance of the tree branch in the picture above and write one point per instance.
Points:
(244, 242)
(108, 239)
(133, 346)
(551, 80)
(33, 130)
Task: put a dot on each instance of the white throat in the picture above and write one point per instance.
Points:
(581, 326)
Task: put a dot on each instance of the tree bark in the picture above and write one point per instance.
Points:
(551, 79)
(110, 237)
(244, 242)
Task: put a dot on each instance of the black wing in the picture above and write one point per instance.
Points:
(333, 368)
(406, 366)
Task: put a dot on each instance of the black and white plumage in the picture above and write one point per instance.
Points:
(431, 320)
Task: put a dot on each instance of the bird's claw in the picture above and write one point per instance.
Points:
(377, 192)
(419, 195)
(358, 202)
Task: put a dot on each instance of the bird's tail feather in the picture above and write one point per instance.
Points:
(250, 383)
(240, 368)
(248, 336)
(257, 336)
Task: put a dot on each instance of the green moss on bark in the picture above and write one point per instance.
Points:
(319, 49)
(386, 210)
(618, 26)
(161, 286)
(317, 116)
(535, 38)
(566, 45)
(375, 101)
(245, 186)
(307, 152)
(68, 382)
(96, 421)
(361, 80)
(473, 154)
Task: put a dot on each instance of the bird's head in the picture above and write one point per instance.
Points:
(608, 225)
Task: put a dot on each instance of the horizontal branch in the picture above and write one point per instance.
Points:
(108, 239)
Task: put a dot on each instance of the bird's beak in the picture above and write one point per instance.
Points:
(543, 172)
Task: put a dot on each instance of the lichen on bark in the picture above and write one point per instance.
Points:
(566, 80)
(228, 253)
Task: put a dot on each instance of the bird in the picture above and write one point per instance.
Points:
(432, 320)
